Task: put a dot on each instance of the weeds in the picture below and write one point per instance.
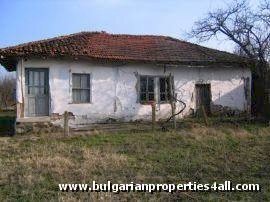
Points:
(33, 166)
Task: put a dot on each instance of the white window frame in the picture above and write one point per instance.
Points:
(73, 88)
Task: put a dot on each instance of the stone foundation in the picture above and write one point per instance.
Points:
(24, 128)
(219, 110)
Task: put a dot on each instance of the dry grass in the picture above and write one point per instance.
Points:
(32, 166)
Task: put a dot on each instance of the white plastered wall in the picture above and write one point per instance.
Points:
(114, 94)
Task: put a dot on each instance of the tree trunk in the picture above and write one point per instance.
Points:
(260, 91)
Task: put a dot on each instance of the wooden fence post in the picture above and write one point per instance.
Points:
(66, 127)
(205, 116)
(153, 104)
(172, 100)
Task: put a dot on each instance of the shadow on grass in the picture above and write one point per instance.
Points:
(7, 124)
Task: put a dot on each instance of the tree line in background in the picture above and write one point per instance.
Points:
(249, 28)
(7, 92)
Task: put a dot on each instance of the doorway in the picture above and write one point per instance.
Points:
(37, 92)
(203, 98)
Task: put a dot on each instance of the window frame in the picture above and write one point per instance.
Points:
(157, 93)
(167, 91)
(89, 89)
(146, 92)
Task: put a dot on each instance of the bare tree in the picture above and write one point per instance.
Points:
(7, 91)
(248, 28)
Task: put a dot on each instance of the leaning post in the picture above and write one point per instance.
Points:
(172, 100)
(205, 116)
(66, 127)
(153, 105)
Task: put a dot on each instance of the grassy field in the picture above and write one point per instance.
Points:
(33, 166)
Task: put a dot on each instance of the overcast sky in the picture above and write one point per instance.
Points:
(28, 20)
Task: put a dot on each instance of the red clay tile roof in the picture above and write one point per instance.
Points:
(117, 47)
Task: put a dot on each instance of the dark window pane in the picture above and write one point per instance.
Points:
(143, 97)
(36, 78)
(150, 84)
(31, 78)
(36, 90)
(41, 78)
(162, 97)
(168, 84)
(76, 96)
(143, 83)
(85, 81)
(168, 96)
(30, 90)
(162, 85)
(151, 96)
(85, 97)
(168, 93)
(42, 91)
(76, 81)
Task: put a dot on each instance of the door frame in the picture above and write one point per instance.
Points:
(47, 78)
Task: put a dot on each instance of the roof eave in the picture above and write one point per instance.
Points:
(10, 62)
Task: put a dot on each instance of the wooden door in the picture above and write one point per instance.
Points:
(203, 97)
(37, 92)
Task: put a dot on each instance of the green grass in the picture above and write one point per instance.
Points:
(33, 166)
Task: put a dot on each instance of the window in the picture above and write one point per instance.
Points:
(147, 88)
(164, 89)
(154, 88)
(81, 88)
